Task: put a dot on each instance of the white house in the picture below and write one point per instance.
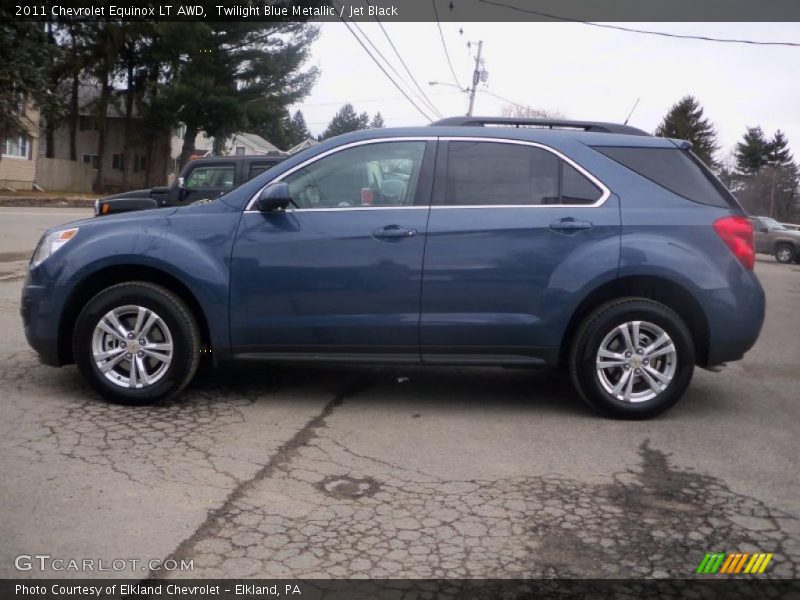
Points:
(252, 144)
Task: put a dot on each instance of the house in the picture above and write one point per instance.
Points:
(306, 143)
(147, 160)
(20, 153)
(203, 146)
(252, 144)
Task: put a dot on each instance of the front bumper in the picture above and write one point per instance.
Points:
(39, 322)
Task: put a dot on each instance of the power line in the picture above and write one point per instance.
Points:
(391, 66)
(380, 66)
(444, 45)
(641, 31)
(363, 100)
(410, 74)
(499, 97)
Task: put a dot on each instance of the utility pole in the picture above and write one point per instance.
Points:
(476, 78)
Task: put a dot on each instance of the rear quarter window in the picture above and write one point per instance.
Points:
(677, 170)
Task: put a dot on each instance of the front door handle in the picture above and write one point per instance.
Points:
(570, 225)
(393, 233)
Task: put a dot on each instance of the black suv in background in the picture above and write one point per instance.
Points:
(200, 179)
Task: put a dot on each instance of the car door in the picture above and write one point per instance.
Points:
(762, 236)
(338, 273)
(206, 182)
(516, 233)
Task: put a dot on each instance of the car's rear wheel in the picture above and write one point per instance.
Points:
(632, 358)
(785, 253)
(136, 343)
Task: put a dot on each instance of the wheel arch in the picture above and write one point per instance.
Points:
(660, 289)
(105, 277)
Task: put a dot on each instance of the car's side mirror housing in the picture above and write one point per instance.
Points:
(274, 197)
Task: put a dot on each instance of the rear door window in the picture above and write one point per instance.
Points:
(677, 170)
(258, 168)
(498, 173)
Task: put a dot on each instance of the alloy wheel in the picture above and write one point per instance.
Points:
(636, 361)
(132, 347)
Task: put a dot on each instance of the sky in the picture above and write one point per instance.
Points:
(580, 71)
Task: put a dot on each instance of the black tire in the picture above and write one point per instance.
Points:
(587, 342)
(785, 253)
(176, 316)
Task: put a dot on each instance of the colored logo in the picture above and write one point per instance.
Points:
(734, 563)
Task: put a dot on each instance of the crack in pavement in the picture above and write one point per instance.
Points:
(656, 522)
(143, 444)
(280, 458)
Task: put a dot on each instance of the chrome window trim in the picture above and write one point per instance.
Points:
(313, 159)
(606, 192)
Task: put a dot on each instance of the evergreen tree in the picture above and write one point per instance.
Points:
(767, 175)
(299, 128)
(346, 120)
(777, 151)
(24, 78)
(377, 121)
(685, 121)
(751, 152)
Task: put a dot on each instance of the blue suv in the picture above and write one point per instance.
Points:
(475, 241)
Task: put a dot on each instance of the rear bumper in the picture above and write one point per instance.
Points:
(39, 323)
(735, 320)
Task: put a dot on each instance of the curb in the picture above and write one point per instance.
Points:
(46, 202)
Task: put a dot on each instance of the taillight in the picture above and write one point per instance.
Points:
(737, 233)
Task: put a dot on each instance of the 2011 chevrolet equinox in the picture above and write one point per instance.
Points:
(591, 245)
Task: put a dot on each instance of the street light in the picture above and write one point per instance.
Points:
(458, 87)
(449, 85)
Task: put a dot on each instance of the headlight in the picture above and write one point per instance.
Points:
(50, 243)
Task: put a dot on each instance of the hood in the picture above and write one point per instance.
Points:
(144, 193)
(130, 217)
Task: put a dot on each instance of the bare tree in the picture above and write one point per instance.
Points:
(519, 111)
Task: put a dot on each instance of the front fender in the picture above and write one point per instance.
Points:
(190, 245)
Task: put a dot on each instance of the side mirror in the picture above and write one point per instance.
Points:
(274, 197)
(181, 183)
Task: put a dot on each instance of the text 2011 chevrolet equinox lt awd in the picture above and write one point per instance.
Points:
(589, 245)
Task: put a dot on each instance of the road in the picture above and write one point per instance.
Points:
(279, 471)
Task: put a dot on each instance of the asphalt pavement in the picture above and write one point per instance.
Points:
(296, 471)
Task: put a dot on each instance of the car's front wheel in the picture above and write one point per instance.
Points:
(136, 343)
(785, 253)
(632, 358)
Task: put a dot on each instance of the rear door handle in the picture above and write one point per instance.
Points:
(570, 225)
(393, 233)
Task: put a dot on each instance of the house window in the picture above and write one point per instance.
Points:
(87, 123)
(239, 150)
(92, 159)
(17, 147)
(139, 163)
(118, 162)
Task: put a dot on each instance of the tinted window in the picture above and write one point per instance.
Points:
(217, 176)
(672, 168)
(576, 188)
(485, 173)
(381, 174)
(257, 169)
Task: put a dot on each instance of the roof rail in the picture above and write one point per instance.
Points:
(590, 126)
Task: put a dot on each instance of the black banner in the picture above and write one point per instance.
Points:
(405, 10)
(709, 588)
